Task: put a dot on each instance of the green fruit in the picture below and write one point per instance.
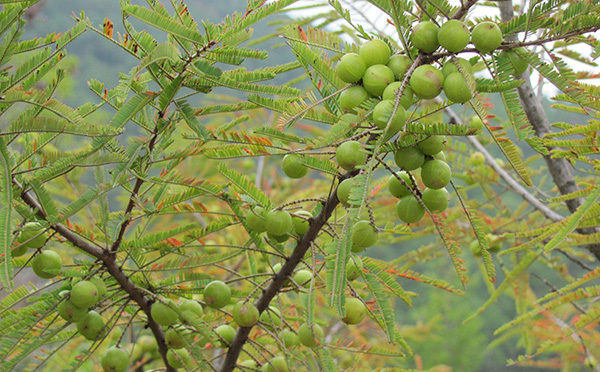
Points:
(277, 364)
(399, 65)
(84, 294)
(486, 37)
(91, 326)
(476, 159)
(356, 249)
(436, 174)
(355, 311)
(279, 222)
(293, 166)
(440, 156)
(174, 339)
(302, 278)
(309, 337)
(424, 36)
(245, 314)
(301, 225)
(100, 285)
(382, 114)
(163, 314)
(456, 88)
(396, 187)
(432, 145)
(353, 97)
(475, 248)
(450, 67)
(147, 343)
(115, 359)
(518, 63)
(178, 358)
(407, 98)
(351, 68)
(343, 192)
(29, 235)
(409, 209)
(476, 123)
(278, 238)
(70, 312)
(271, 317)
(255, 220)
(19, 250)
(289, 338)
(495, 244)
(217, 294)
(354, 267)
(454, 36)
(409, 158)
(375, 52)
(47, 264)
(190, 310)
(435, 200)
(363, 234)
(135, 352)
(427, 81)
(350, 154)
(377, 78)
(227, 333)
(249, 363)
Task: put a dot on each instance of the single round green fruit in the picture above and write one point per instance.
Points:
(343, 192)
(179, 358)
(486, 37)
(363, 234)
(350, 154)
(424, 36)
(175, 339)
(409, 158)
(277, 364)
(436, 174)
(495, 243)
(148, 344)
(293, 166)
(355, 311)
(227, 333)
(115, 359)
(70, 312)
(427, 82)
(47, 264)
(163, 314)
(271, 317)
(475, 248)
(245, 314)
(440, 156)
(477, 158)
(351, 68)
(84, 294)
(289, 338)
(382, 114)
(454, 36)
(399, 65)
(375, 52)
(217, 294)
(396, 187)
(91, 326)
(255, 220)
(309, 337)
(279, 222)
(476, 123)
(135, 352)
(29, 235)
(18, 250)
(356, 249)
(518, 63)
(432, 145)
(190, 310)
(302, 277)
(407, 98)
(278, 238)
(354, 267)
(450, 67)
(409, 209)
(436, 200)
(249, 363)
(301, 225)
(100, 285)
(377, 78)
(456, 88)
(353, 97)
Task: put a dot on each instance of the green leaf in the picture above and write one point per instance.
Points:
(244, 184)
(5, 217)
(166, 51)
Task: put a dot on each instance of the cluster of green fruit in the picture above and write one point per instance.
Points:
(47, 264)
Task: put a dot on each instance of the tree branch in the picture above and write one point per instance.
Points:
(559, 168)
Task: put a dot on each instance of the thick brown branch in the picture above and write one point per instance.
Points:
(559, 168)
